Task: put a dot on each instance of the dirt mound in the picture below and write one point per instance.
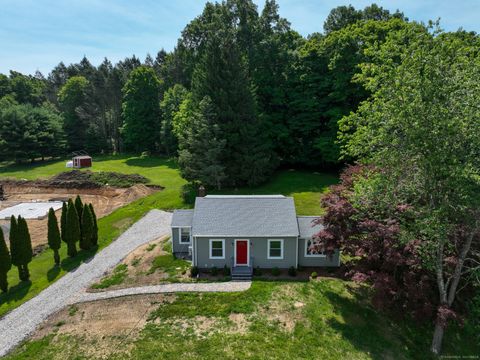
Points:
(76, 179)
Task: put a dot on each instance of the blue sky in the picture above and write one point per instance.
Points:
(38, 34)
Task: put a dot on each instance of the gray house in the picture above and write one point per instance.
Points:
(245, 232)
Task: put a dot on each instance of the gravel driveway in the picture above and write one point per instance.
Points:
(22, 321)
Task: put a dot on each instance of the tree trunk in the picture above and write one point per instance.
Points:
(437, 338)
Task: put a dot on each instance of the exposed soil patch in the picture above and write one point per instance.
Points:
(104, 325)
(104, 199)
(141, 268)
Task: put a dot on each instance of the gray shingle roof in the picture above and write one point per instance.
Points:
(305, 226)
(244, 216)
(182, 218)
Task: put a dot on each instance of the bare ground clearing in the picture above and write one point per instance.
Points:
(104, 199)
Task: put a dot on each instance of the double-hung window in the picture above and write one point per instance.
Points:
(217, 249)
(275, 249)
(184, 235)
(309, 252)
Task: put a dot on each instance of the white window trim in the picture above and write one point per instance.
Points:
(189, 235)
(281, 250)
(235, 252)
(210, 249)
(312, 255)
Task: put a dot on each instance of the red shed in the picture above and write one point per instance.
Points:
(82, 161)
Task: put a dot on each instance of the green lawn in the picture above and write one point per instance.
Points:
(303, 186)
(323, 319)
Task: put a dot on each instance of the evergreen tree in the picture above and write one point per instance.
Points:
(54, 240)
(72, 232)
(222, 76)
(141, 110)
(202, 148)
(24, 251)
(13, 238)
(79, 207)
(86, 241)
(95, 226)
(5, 263)
(63, 221)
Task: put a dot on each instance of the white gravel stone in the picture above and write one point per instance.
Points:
(22, 321)
(232, 286)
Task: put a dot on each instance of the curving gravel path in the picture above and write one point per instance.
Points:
(22, 321)
(167, 288)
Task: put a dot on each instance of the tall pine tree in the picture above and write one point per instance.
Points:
(222, 75)
(200, 157)
(95, 226)
(63, 221)
(5, 263)
(54, 240)
(72, 230)
(23, 249)
(86, 240)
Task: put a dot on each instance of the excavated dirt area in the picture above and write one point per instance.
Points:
(104, 199)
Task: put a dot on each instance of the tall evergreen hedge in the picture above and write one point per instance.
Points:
(54, 240)
(5, 263)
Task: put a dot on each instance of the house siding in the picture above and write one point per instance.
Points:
(316, 261)
(178, 248)
(258, 249)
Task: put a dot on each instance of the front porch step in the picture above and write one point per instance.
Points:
(242, 273)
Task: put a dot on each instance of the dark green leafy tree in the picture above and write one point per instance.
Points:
(141, 110)
(95, 226)
(421, 128)
(200, 157)
(72, 230)
(72, 96)
(169, 106)
(21, 248)
(5, 263)
(53, 236)
(87, 240)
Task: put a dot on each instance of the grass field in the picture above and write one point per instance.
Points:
(322, 319)
(305, 187)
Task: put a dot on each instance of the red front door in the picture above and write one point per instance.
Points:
(242, 252)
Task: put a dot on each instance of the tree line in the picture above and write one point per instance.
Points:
(78, 224)
(409, 211)
(241, 94)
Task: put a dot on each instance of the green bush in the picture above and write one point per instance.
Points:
(189, 193)
(257, 271)
(275, 271)
(226, 270)
(292, 271)
(194, 271)
(214, 271)
(314, 275)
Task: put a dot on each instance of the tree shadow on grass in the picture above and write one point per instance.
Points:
(53, 273)
(70, 264)
(16, 292)
(373, 332)
(151, 162)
